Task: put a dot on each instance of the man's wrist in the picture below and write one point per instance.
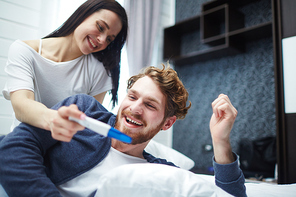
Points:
(223, 153)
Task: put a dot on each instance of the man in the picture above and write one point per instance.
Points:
(35, 164)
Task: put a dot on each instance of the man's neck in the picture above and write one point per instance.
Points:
(133, 150)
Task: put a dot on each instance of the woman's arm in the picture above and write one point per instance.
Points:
(29, 111)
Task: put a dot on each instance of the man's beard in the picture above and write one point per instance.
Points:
(140, 136)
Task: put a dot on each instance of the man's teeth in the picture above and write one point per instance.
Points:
(91, 42)
(135, 122)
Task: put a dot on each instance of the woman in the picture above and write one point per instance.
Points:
(82, 56)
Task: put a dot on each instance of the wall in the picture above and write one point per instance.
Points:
(24, 20)
(167, 19)
(247, 78)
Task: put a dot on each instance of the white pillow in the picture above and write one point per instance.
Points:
(150, 180)
(164, 152)
(268, 190)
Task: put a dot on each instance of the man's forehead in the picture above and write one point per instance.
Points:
(145, 81)
(146, 86)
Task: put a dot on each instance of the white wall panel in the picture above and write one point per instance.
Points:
(5, 123)
(4, 46)
(289, 67)
(2, 65)
(2, 83)
(5, 116)
(30, 4)
(19, 19)
(12, 31)
(165, 137)
(5, 106)
(17, 14)
(167, 19)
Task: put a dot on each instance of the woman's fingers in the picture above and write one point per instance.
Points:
(62, 128)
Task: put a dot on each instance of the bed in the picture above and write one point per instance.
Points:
(149, 180)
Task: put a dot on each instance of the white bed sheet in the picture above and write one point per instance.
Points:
(270, 190)
(262, 189)
(149, 180)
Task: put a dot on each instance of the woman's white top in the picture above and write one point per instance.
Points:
(53, 81)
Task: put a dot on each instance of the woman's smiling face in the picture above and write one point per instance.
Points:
(97, 31)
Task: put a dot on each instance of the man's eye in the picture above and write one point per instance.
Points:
(150, 106)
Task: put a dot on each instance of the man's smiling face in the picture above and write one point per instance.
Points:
(141, 114)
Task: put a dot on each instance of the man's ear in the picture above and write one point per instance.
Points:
(169, 122)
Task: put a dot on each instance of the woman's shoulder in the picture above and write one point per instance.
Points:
(25, 45)
(34, 44)
(22, 49)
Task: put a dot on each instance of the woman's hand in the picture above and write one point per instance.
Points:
(32, 112)
(61, 127)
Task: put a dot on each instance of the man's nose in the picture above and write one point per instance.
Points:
(137, 108)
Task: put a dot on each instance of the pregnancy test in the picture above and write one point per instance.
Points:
(102, 128)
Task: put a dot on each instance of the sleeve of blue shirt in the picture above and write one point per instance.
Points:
(230, 178)
(21, 165)
(22, 169)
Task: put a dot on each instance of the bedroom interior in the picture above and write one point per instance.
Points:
(242, 58)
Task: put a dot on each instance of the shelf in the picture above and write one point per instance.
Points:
(172, 36)
(216, 23)
(253, 33)
(213, 4)
(209, 54)
(198, 55)
(186, 26)
(222, 30)
(213, 23)
(239, 36)
(215, 40)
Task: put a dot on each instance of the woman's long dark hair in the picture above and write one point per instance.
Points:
(110, 57)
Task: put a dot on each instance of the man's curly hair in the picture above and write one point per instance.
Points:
(170, 85)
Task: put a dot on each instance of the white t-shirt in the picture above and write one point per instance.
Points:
(52, 81)
(86, 184)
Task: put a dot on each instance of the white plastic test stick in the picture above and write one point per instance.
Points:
(102, 128)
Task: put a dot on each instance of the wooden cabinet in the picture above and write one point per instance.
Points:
(222, 30)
